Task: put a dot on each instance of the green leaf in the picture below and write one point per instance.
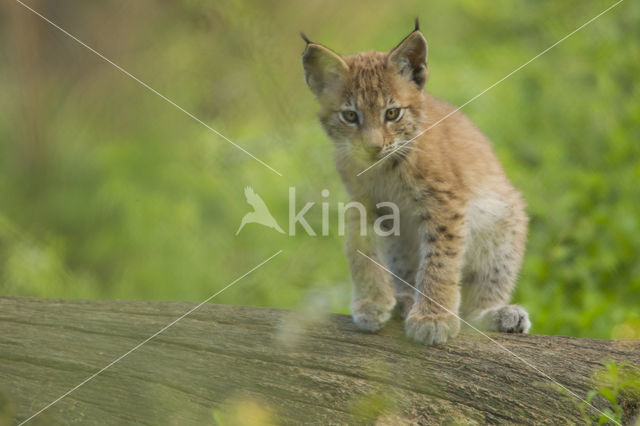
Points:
(610, 395)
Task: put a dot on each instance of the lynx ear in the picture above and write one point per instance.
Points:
(323, 68)
(410, 58)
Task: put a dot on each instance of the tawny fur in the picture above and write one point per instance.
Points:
(463, 226)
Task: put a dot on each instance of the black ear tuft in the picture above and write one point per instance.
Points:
(417, 28)
(305, 38)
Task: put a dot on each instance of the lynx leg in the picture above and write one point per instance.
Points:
(373, 300)
(489, 280)
(433, 319)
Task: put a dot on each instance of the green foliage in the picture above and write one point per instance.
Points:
(107, 191)
(616, 382)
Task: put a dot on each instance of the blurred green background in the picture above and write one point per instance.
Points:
(107, 191)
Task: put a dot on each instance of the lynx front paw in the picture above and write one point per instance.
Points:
(430, 329)
(371, 316)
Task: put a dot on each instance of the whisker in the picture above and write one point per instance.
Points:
(411, 148)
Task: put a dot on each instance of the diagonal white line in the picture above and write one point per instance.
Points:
(146, 86)
(500, 345)
(150, 337)
(403, 144)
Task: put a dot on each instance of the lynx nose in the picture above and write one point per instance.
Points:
(373, 139)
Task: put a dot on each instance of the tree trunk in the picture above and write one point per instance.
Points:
(238, 365)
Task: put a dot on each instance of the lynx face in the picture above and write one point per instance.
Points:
(370, 102)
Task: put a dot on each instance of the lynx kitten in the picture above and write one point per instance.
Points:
(462, 224)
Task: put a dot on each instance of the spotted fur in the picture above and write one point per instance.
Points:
(463, 226)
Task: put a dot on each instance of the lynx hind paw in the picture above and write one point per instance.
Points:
(431, 330)
(512, 319)
(371, 316)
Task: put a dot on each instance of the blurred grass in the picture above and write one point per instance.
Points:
(107, 191)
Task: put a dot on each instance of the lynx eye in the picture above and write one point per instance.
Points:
(392, 114)
(349, 116)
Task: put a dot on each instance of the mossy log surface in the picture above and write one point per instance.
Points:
(287, 367)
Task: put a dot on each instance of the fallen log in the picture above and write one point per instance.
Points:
(232, 364)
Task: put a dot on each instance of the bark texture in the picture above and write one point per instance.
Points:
(232, 364)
